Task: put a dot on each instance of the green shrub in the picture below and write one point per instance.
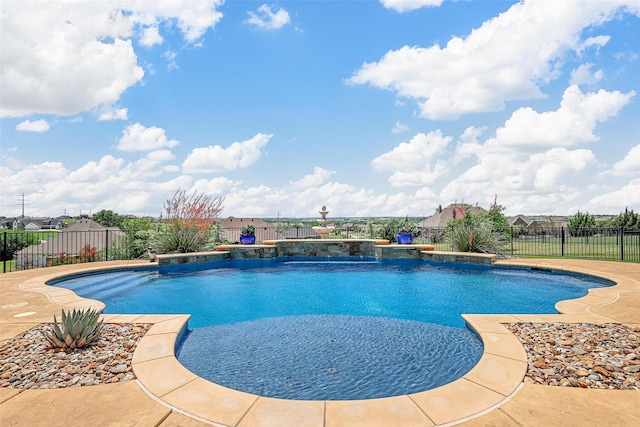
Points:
(476, 234)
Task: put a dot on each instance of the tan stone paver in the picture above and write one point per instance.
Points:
(122, 404)
(539, 405)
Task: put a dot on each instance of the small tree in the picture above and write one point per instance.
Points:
(108, 218)
(581, 224)
(628, 220)
(188, 219)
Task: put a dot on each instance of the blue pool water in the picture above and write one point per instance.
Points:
(310, 329)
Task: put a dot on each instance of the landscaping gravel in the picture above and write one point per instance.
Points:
(28, 361)
(583, 355)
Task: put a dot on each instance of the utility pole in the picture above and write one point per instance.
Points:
(22, 203)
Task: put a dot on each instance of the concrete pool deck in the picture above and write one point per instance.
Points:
(166, 394)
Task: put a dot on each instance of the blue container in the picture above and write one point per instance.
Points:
(405, 238)
(247, 240)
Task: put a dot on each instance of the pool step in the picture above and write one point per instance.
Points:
(108, 286)
(88, 283)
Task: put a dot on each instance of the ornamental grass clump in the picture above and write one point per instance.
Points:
(480, 232)
(189, 218)
(77, 329)
(479, 237)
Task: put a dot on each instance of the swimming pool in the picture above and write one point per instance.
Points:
(311, 329)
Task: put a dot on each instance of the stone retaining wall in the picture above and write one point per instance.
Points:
(325, 248)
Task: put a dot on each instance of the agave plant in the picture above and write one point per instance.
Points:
(76, 329)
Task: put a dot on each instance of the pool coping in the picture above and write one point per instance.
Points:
(491, 383)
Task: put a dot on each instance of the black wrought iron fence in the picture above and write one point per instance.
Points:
(27, 250)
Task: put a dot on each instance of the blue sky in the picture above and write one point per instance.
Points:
(372, 108)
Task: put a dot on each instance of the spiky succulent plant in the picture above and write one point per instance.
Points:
(77, 329)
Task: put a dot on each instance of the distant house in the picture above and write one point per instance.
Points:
(81, 239)
(442, 216)
(33, 224)
(9, 223)
(526, 224)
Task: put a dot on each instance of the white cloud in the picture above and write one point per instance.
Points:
(584, 75)
(628, 195)
(268, 19)
(495, 63)
(415, 154)
(70, 56)
(136, 137)
(151, 36)
(400, 127)
(219, 186)
(215, 158)
(35, 126)
(407, 5)
(572, 124)
(170, 57)
(109, 112)
(411, 163)
(318, 177)
(630, 165)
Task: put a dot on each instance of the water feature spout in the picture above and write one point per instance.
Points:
(323, 230)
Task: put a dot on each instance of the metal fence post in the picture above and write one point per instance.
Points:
(106, 245)
(511, 240)
(562, 241)
(621, 243)
(4, 251)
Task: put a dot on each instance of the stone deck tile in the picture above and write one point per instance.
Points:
(284, 413)
(505, 345)
(498, 373)
(154, 347)
(173, 375)
(122, 404)
(563, 406)
(176, 419)
(392, 411)
(8, 393)
(489, 323)
(211, 401)
(456, 401)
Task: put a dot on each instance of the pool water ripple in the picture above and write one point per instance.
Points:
(330, 357)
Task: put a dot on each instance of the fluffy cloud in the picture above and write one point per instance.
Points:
(215, 158)
(494, 64)
(35, 126)
(136, 137)
(318, 177)
(572, 124)
(407, 5)
(109, 112)
(630, 165)
(610, 201)
(266, 19)
(411, 162)
(66, 57)
(584, 75)
(400, 127)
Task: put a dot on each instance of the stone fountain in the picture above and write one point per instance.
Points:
(323, 229)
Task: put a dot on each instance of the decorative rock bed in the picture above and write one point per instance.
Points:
(583, 355)
(28, 361)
